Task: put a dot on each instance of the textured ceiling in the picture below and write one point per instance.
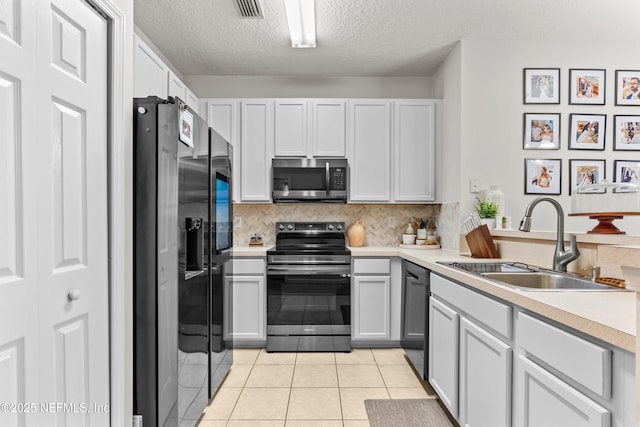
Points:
(366, 37)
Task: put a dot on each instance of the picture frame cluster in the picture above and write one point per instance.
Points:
(586, 130)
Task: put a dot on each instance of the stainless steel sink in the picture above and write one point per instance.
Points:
(546, 281)
(529, 278)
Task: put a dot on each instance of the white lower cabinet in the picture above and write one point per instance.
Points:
(485, 378)
(443, 353)
(245, 306)
(371, 299)
(495, 364)
(469, 366)
(372, 307)
(543, 400)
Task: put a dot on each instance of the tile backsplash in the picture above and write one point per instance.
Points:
(376, 219)
(449, 225)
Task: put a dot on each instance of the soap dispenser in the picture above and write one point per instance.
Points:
(409, 229)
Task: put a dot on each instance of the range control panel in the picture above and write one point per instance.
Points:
(310, 227)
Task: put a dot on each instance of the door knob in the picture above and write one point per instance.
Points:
(73, 294)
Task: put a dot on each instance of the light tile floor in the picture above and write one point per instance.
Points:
(310, 389)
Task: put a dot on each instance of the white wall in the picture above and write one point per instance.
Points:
(309, 87)
(447, 86)
(491, 120)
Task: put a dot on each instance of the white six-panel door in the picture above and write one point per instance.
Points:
(54, 342)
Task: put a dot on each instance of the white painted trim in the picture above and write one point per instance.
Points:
(120, 361)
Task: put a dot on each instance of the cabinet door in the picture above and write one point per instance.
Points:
(328, 128)
(179, 89)
(414, 170)
(257, 150)
(149, 72)
(222, 115)
(193, 102)
(443, 353)
(369, 150)
(290, 128)
(244, 312)
(543, 400)
(485, 378)
(413, 309)
(372, 307)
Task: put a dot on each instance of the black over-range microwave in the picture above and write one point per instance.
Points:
(310, 180)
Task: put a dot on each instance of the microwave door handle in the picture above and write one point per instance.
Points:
(327, 177)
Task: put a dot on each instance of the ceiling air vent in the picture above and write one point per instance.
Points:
(249, 9)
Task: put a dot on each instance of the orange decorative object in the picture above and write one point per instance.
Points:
(355, 234)
(605, 221)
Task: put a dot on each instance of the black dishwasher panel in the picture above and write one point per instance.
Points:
(415, 291)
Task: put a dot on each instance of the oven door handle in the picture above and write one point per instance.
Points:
(308, 270)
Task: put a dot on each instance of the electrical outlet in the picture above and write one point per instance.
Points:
(474, 186)
(391, 221)
(237, 222)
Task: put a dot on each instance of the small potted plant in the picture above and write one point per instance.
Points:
(487, 211)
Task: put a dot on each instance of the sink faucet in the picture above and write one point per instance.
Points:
(561, 257)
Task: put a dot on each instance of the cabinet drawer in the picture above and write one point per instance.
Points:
(581, 361)
(491, 313)
(371, 266)
(246, 266)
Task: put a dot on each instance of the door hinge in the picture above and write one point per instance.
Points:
(137, 421)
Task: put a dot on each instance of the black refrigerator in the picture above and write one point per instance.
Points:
(182, 242)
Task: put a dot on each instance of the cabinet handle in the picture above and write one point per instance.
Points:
(73, 294)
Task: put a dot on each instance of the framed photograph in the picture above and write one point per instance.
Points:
(587, 131)
(584, 172)
(627, 171)
(627, 87)
(626, 133)
(542, 85)
(541, 131)
(542, 176)
(186, 126)
(586, 86)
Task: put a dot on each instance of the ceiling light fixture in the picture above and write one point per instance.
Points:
(301, 17)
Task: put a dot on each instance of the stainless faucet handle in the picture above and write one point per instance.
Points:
(595, 272)
(573, 241)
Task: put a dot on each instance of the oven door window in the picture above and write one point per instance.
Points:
(308, 300)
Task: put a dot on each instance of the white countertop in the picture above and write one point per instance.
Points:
(609, 316)
(250, 251)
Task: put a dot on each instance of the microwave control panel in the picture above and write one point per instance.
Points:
(338, 181)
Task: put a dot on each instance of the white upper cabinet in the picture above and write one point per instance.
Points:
(222, 116)
(193, 102)
(290, 127)
(414, 151)
(310, 128)
(328, 128)
(369, 150)
(150, 73)
(389, 143)
(178, 88)
(256, 119)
